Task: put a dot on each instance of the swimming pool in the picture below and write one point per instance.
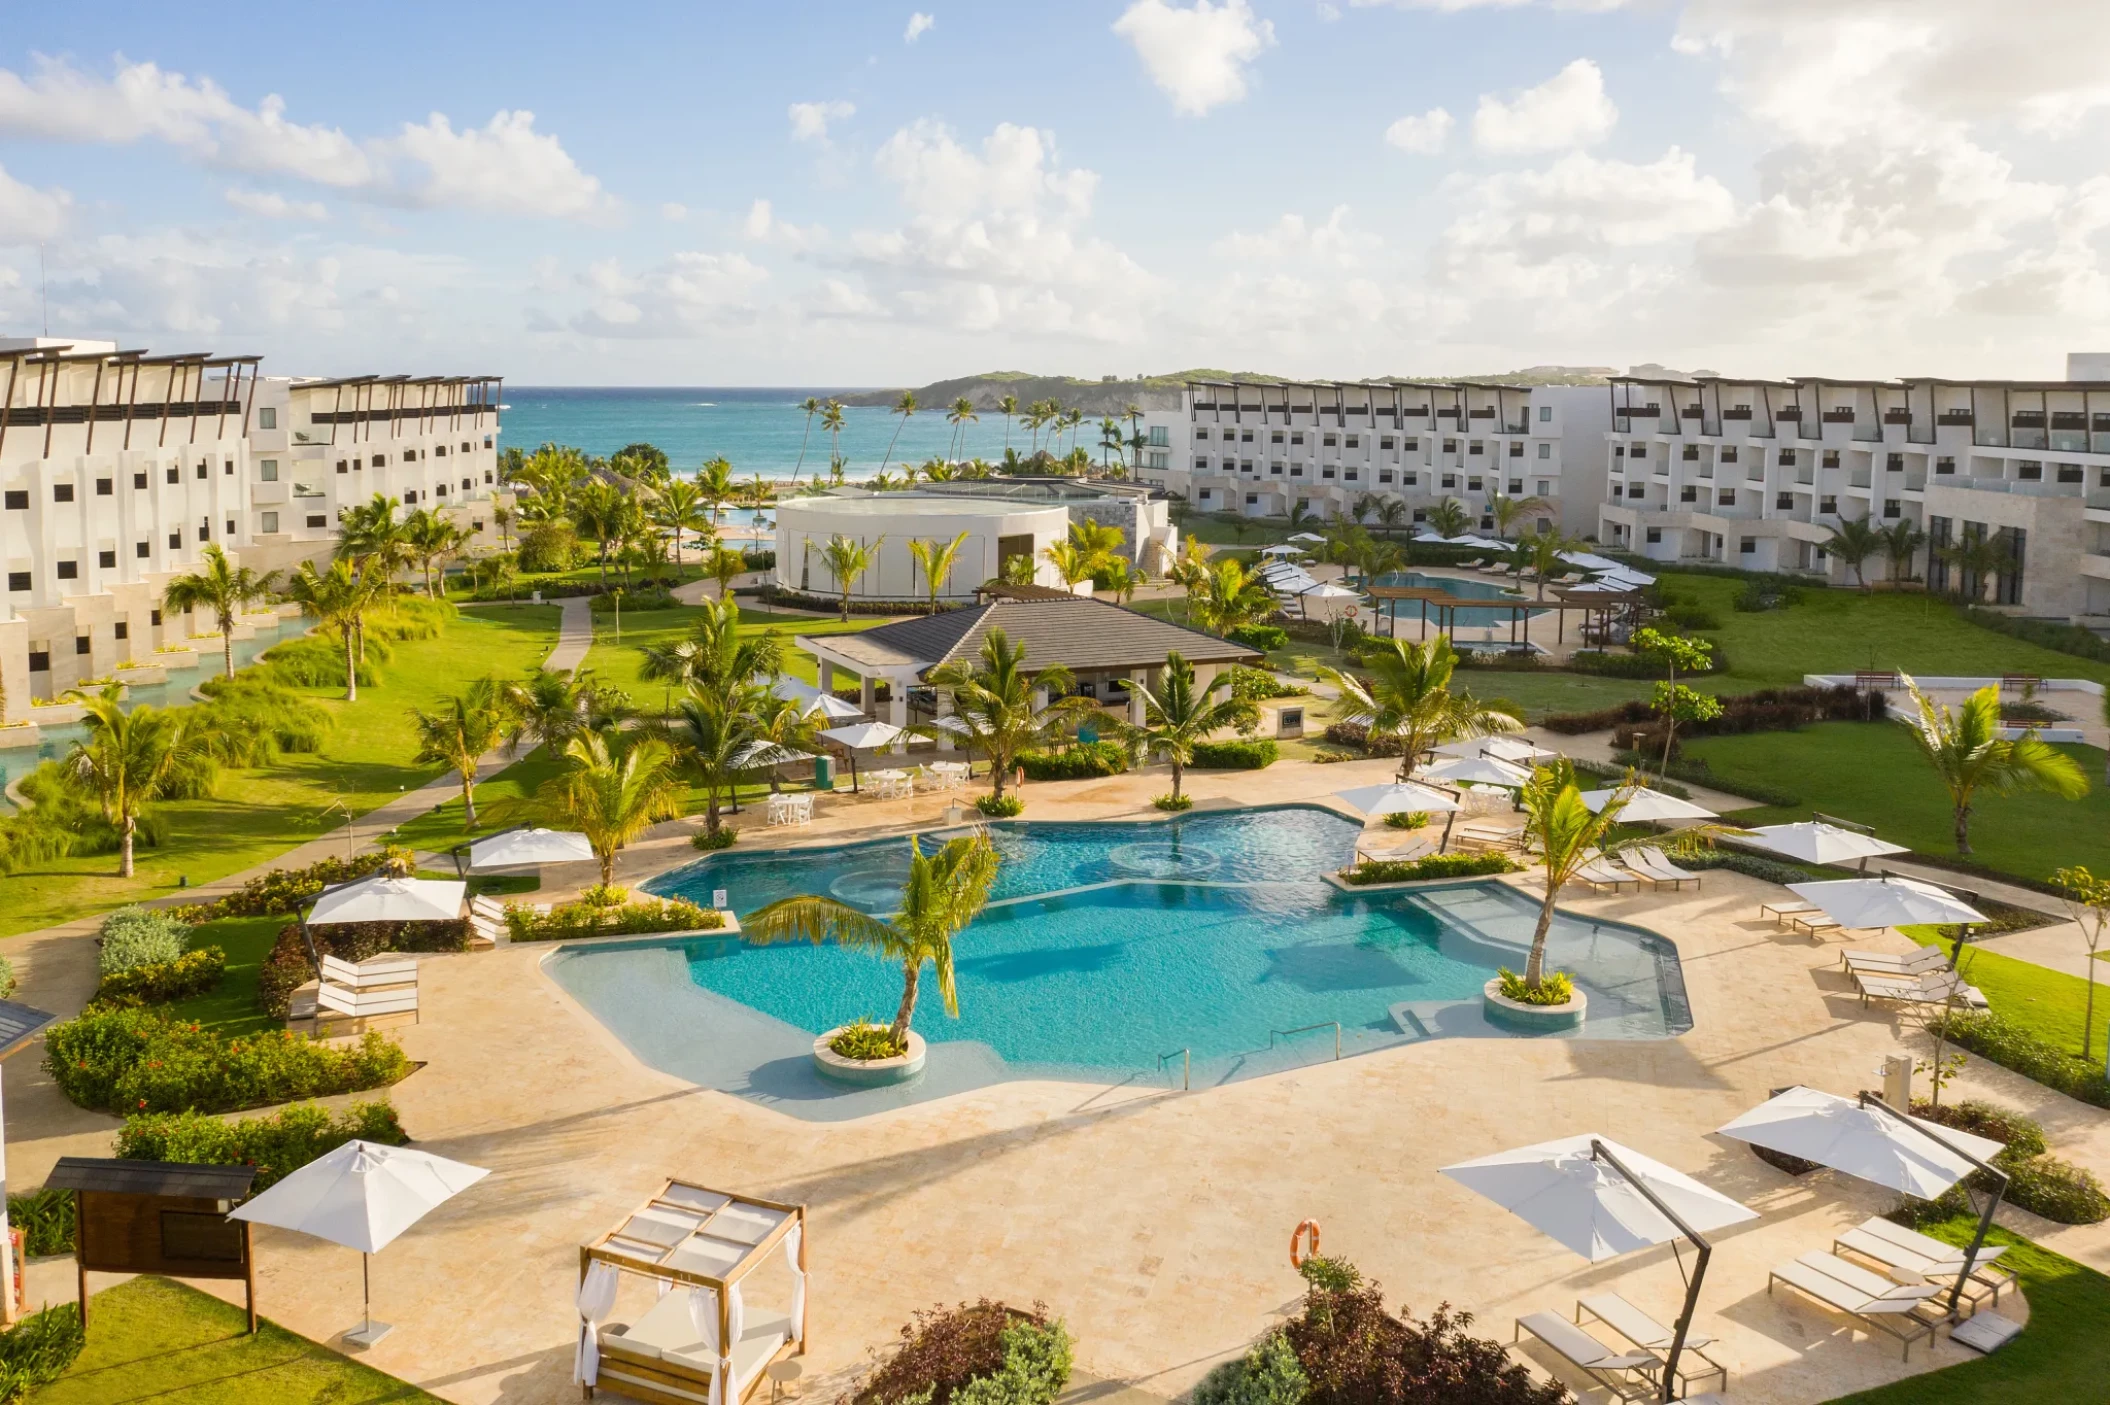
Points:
(1466, 617)
(1233, 964)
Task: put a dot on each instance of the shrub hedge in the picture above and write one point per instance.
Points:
(1767, 710)
(2043, 1185)
(139, 936)
(288, 889)
(1474, 865)
(1245, 755)
(1081, 761)
(2065, 638)
(123, 1061)
(574, 920)
(2012, 1046)
(287, 967)
(1265, 637)
(982, 1353)
(193, 973)
(277, 1145)
(38, 1350)
(45, 1218)
(1000, 807)
(1355, 734)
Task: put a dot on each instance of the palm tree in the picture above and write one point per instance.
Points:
(1179, 715)
(1071, 562)
(1121, 579)
(715, 482)
(1545, 556)
(944, 893)
(996, 702)
(458, 732)
(1110, 441)
(221, 587)
(1853, 541)
(1009, 405)
(611, 798)
(1566, 836)
(549, 708)
(600, 509)
(1977, 561)
(936, 560)
(678, 507)
(1901, 542)
(960, 416)
(1224, 597)
(714, 655)
(1034, 416)
(1392, 515)
(847, 560)
(811, 407)
(502, 518)
(429, 537)
(904, 407)
(1449, 518)
(127, 759)
(1137, 439)
(1969, 755)
(1071, 419)
(372, 539)
(832, 421)
(725, 563)
(713, 732)
(1508, 511)
(1408, 697)
(339, 598)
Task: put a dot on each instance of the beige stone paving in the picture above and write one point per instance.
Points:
(1157, 1223)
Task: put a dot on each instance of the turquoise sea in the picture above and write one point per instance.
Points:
(758, 429)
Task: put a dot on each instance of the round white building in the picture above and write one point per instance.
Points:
(886, 523)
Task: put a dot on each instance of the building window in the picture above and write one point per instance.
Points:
(1516, 449)
(1349, 474)
(1274, 470)
(2070, 473)
(316, 519)
(40, 661)
(201, 470)
(1516, 486)
(267, 418)
(1472, 485)
(1545, 487)
(83, 644)
(1692, 453)
(154, 618)
(231, 532)
(380, 461)
(1545, 414)
(107, 559)
(1831, 458)
(121, 630)
(104, 487)
(228, 468)
(342, 466)
(1726, 454)
(18, 499)
(1296, 437)
(175, 541)
(1410, 445)
(142, 550)
(1384, 475)
(1894, 463)
(1201, 464)
(2029, 471)
(1745, 546)
(1476, 447)
(1386, 442)
(1330, 441)
(1637, 490)
(175, 475)
(1545, 451)
(139, 480)
(1787, 458)
(69, 570)
(1688, 493)
(1450, 480)
(1450, 446)
(18, 580)
(1160, 437)
(1408, 480)
(1945, 464)
(1784, 502)
(1655, 535)
(1252, 499)
(1355, 441)
(1890, 509)
(267, 470)
(1201, 434)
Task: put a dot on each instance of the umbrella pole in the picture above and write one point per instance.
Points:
(1992, 1204)
(366, 1293)
(1699, 1269)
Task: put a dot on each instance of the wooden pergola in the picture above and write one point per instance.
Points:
(702, 1345)
(1604, 604)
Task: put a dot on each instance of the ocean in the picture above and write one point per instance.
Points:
(759, 429)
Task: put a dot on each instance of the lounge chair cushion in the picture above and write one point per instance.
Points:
(1579, 1346)
(1874, 1286)
(618, 1341)
(1634, 1324)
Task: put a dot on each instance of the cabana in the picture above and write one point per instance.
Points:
(700, 1344)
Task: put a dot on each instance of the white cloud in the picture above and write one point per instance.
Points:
(270, 205)
(1199, 54)
(28, 214)
(917, 24)
(691, 293)
(505, 166)
(1567, 110)
(1424, 135)
(1292, 238)
(763, 227)
(673, 212)
(1457, 6)
(809, 120)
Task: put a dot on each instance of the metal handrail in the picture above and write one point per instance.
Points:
(1186, 1067)
(1334, 1025)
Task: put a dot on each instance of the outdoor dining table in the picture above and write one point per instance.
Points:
(892, 782)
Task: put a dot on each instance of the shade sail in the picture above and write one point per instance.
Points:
(1870, 1143)
(362, 1195)
(1560, 1189)
(385, 899)
(1477, 770)
(1327, 590)
(1397, 798)
(1886, 902)
(864, 736)
(1306, 537)
(1813, 841)
(522, 848)
(1644, 805)
(1282, 549)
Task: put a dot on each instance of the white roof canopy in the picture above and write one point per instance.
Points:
(362, 1195)
(812, 699)
(1871, 1143)
(522, 848)
(385, 899)
(1561, 1189)
(1643, 804)
(1478, 770)
(864, 736)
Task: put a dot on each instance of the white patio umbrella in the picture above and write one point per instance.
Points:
(1871, 1141)
(1814, 841)
(1886, 902)
(1643, 804)
(1329, 596)
(862, 736)
(1395, 798)
(1601, 1200)
(385, 899)
(1282, 549)
(362, 1195)
(525, 848)
(1478, 770)
(814, 700)
(1518, 751)
(1306, 537)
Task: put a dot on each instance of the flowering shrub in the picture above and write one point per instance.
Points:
(193, 973)
(123, 1061)
(584, 919)
(277, 1145)
(1353, 1352)
(288, 968)
(288, 889)
(982, 1353)
(1474, 865)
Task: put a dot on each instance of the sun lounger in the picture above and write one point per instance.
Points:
(1625, 1374)
(1910, 1265)
(1929, 988)
(1783, 911)
(1649, 1334)
(1486, 836)
(1925, 1244)
(1812, 922)
(1903, 1311)
(1600, 874)
(1920, 961)
(1650, 864)
(370, 974)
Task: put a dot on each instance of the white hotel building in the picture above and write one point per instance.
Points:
(1260, 448)
(1755, 473)
(117, 468)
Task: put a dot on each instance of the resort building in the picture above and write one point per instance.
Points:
(1265, 448)
(1001, 517)
(1756, 473)
(119, 468)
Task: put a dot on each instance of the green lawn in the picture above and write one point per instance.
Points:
(619, 662)
(262, 813)
(1874, 774)
(501, 802)
(232, 1008)
(2050, 1004)
(153, 1339)
(2063, 1355)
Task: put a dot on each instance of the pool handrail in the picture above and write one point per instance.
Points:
(1186, 1068)
(1334, 1025)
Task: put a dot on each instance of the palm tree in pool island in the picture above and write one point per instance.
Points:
(1178, 715)
(945, 892)
(1560, 826)
(222, 588)
(1970, 757)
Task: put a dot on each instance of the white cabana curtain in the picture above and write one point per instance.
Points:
(792, 1241)
(735, 1326)
(595, 1301)
(703, 1316)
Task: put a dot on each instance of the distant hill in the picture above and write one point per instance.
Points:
(1158, 392)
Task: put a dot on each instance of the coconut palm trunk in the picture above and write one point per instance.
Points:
(911, 978)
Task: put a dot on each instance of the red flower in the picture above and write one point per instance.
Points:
(142, 1102)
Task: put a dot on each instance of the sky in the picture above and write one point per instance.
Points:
(869, 194)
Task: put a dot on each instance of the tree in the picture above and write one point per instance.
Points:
(128, 759)
(994, 699)
(502, 518)
(1017, 570)
(678, 507)
(1559, 827)
(458, 732)
(1392, 515)
(429, 537)
(1901, 542)
(646, 461)
(724, 564)
(811, 407)
(944, 893)
(1071, 562)
(1545, 556)
(846, 561)
(832, 421)
(715, 654)
(599, 509)
(904, 407)
(1009, 406)
(1111, 441)
(1449, 518)
(339, 598)
(2088, 899)
(1853, 541)
(221, 588)
(715, 481)
(1672, 699)
(713, 733)
(1508, 511)
(1223, 596)
(612, 796)
(1179, 715)
(550, 708)
(1977, 561)
(1408, 698)
(960, 416)
(1121, 579)
(936, 560)
(372, 539)
(1969, 756)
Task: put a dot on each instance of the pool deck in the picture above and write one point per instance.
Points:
(1157, 1223)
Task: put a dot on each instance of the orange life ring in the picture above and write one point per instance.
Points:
(1296, 1237)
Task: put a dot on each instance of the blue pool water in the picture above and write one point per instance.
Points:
(1466, 618)
(1086, 968)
